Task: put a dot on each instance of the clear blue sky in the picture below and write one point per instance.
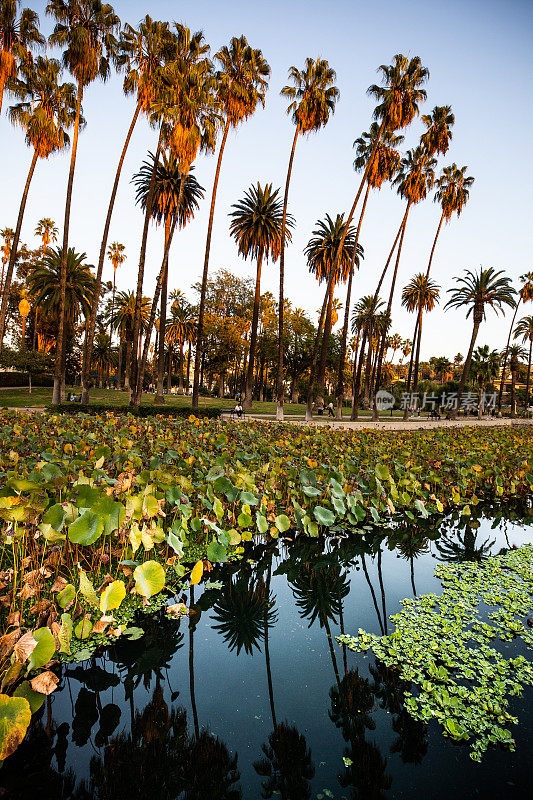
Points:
(479, 56)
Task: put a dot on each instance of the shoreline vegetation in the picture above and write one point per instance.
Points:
(107, 514)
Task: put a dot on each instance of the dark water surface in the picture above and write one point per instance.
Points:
(254, 698)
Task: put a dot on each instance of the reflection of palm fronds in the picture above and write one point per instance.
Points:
(319, 593)
(288, 766)
(412, 547)
(351, 704)
(367, 774)
(463, 546)
(241, 611)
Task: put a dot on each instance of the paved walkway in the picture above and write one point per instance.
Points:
(413, 424)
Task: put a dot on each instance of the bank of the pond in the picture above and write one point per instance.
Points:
(102, 514)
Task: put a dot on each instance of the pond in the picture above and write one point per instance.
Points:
(243, 698)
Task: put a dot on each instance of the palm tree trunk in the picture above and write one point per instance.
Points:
(89, 335)
(137, 387)
(411, 364)
(502, 381)
(279, 383)
(528, 375)
(357, 378)
(59, 365)
(140, 274)
(417, 358)
(466, 368)
(434, 244)
(312, 375)
(513, 387)
(267, 652)
(162, 323)
(200, 327)
(119, 367)
(375, 414)
(191, 669)
(324, 347)
(14, 248)
(253, 336)
(170, 365)
(344, 336)
(188, 367)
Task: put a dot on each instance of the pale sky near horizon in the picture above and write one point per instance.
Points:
(479, 56)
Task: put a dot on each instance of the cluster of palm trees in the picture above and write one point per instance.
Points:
(193, 101)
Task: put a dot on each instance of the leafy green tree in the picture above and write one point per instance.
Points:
(256, 227)
(475, 292)
(122, 322)
(419, 295)
(525, 295)
(485, 369)
(313, 97)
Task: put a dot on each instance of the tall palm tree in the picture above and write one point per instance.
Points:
(103, 356)
(414, 180)
(256, 227)
(525, 295)
(322, 258)
(516, 353)
(476, 291)
(453, 190)
(181, 328)
(188, 114)
(143, 51)
(524, 331)
(122, 322)
(420, 294)
(45, 112)
(117, 256)
(485, 369)
(47, 230)
(242, 82)
(166, 196)
(380, 150)
(19, 35)
(86, 30)
(313, 97)
(368, 316)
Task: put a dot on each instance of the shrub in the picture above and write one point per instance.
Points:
(141, 411)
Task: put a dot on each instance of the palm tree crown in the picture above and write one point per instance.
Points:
(421, 293)
(438, 133)
(476, 290)
(17, 36)
(380, 149)
(46, 109)
(401, 93)
(322, 249)
(453, 190)
(143, 51)
(242, 79)
(167, 189)
(45, 285)
(47, 230)
(313, 96)
(416, 175)
(256, 223)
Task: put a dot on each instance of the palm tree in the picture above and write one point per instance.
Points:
(143, 52)
(420, 294)
(485, 368)
(384, 159)
(188, 115)
(85, 28)
(122, 322)
(117, 256)
(45, 285)
(242, 82)
(475, 291)
(524, 330)
(166, 196)
(45, 112)
(313, 97)
(322, 259)
(368, 317)
(525, 294)
(181, 328)
(516, 352)
(103, 356)
(47, 230)
(453, 191)
(256, 227)
(18, 36)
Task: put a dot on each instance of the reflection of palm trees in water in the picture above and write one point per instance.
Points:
(352, 701)
(463, 545)
(410, 548)
(319, 592)
(389, 690)
(382, 620)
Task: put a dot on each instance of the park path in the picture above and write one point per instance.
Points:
(395, 424)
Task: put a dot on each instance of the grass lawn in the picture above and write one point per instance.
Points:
(21, 398)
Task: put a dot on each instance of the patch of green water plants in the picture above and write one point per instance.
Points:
(454, 648)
